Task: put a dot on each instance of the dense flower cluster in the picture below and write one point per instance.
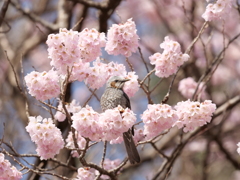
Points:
(44, 85)
(8, 172)
(73, 107)
(114, 123)
(157, 118)
(85, 174)
(194, 114)
(108, 165)
(218, 10)
(132, 86)
(86, 123)
(122, 39)
(90, 43)
(80, 141)
(188, 86)
(138, 135)
(238, 149)
(168, 62)
(69, 47)
(46, 135)
(106, 126)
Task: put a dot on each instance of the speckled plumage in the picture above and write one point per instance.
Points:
(111, 98)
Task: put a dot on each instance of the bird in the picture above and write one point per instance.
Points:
(111, 98)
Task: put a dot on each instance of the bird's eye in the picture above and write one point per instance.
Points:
(116, 80)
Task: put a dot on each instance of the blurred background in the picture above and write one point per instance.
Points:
(210, 154)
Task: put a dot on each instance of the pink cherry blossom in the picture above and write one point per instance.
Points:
(218, 10)
(138, 135)
(46, 135)
(80, 141)
(44, 85)
(69, 47)
(63, 49)
(193, 114)
(157, 118)
(98, 74)
(114, 122)
(90, 43)
(188, 86)
(86, 122)
(80, 71)
(122, 39)
(168, 62)
(132, 86)
(73, 107)
(85, 174)
(109, 165)
(101, 72)
(238, 149)
(8, 172)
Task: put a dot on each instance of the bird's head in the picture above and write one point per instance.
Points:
(116, 82)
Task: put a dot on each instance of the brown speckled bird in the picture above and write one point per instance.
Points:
(111, 98)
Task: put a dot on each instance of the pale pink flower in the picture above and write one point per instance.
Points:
(101, 72)
(8, 172)
(80, 71)
(132, 86)
(90, 43)
(115, 69)
(98, 75)
(168, 62)
(157, 118)
(73, 107)
(44, 85)
(138, 135)
(86, 122)
(114, 122)
(63, 49)
(188, 86)
(46, 136)
(122, 39)
(109, 165)
(193, 114)
(238, 149)
(80, 141)
(69, 47)
(85, 174)
(218, 10)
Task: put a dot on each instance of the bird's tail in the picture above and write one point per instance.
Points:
(131, 148)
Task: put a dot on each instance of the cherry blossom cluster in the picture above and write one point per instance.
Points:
(106, 126)
(193, 114)
(7, 171)
(157, 118)
(218, 10)
(85, 174)
(90, 174)
(188, 86)
(101, 72)
(86, 123)
(70, 143)
(238, 149)
(122, 39)
(131, 86)
(108, 165)
(73, 107)
(69, 47)
(114, 122)
(46, 135)
(44, 85)
(168, 62)
(90, 43)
